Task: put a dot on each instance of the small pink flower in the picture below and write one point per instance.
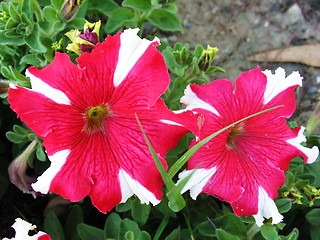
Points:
(22, 229)
(86, 115)
(244, 165)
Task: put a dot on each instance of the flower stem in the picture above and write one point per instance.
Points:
(161, 227)
(253, 230)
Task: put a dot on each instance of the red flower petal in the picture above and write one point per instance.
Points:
(86, 115)
(244, 164)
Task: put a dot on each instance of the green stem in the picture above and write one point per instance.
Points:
(37, 11)
(161, 227)
(185, 157)
(189, 226)
(253, 230)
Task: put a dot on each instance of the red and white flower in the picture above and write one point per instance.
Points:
(244, 164)
(85, 114)
(22, 229)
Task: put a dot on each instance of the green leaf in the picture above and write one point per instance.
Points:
(231, 223)
(171, 8)
(140, 212)
(214, 69)
(118, 18)
(129, 235)
(112, 226)
(106, 7)
(284, 205)
(269, 232)
(165, 20)
(27, 8)
(206, 229)
(13, 40)
(13, 13)
(50, 13)
(40, 153)
(87, 232)
(32, 59)
(174, 235)
(53, 227)
(129, 225)
(315, 234)
(16, 138)
(74, 218)
(223, 235)
(57, 4)
(313, 217)
(145, 236)
(34, 41)
(140, 5)
(123, 207)
(293, 235)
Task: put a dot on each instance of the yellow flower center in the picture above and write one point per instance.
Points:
(95, 118)
(233, 134)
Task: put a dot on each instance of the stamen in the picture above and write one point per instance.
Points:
(95, 118)
(233, 134)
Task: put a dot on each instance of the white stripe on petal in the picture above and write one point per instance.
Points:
(41, 87)
(170, 122)
(278, 82)
(192, 101)
(129, 186)
(132, 47)
(266, 209)
(198, 180)
(22, 229)
(311, 153)
(57, 161)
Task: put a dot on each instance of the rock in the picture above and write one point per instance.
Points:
(293, 15)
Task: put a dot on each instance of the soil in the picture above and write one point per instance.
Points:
(240, 28)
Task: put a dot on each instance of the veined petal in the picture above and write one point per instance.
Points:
(44, 181)
(311, 154)
(278, 82)
(249, 157)
(266, 209)
(131, 49)
(43, 88)
(129, 187)
(192, 101)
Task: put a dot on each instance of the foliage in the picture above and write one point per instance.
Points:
(30, 32)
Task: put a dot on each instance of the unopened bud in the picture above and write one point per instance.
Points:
(4, 86)
(70, 8)
(207, 57)
(86, 40)
(56, 46)
(18, 168)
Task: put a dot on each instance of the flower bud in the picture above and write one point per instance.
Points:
(70, 8)
(207, 57)
(17, 171)
(4, 86)
(86, 40)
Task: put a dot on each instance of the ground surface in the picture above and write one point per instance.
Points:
(241, 28)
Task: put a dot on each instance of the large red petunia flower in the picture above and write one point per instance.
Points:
(86, 115)
(244, 165)
(22, 229)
